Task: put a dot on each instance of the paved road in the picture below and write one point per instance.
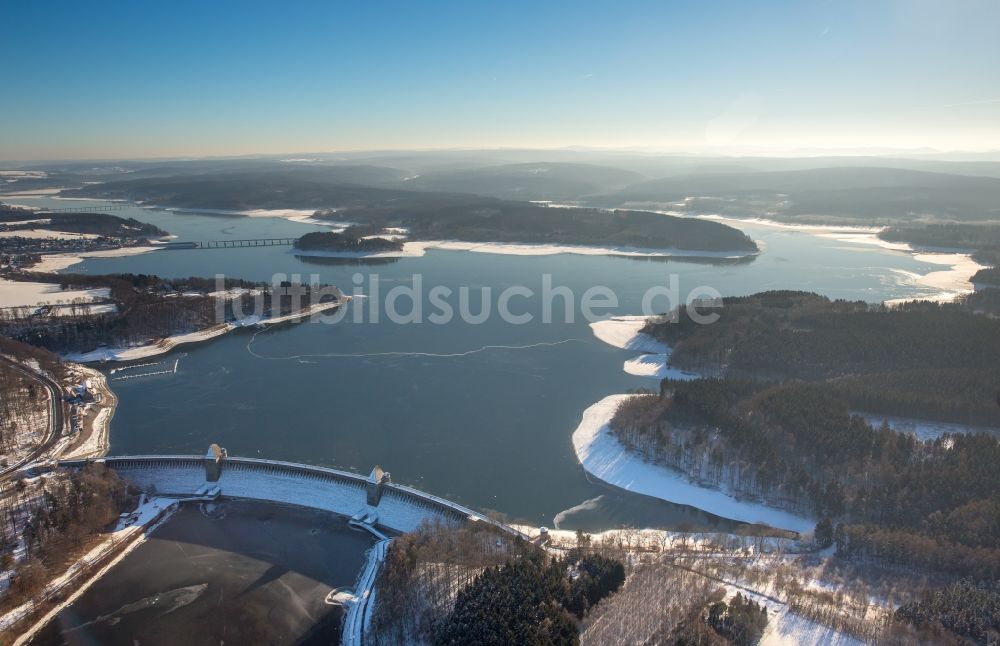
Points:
(57, 416)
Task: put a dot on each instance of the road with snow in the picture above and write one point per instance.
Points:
(57, 416)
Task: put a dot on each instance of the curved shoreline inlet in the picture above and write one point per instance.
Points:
(605, 458)
(952, 282)
(654, 361)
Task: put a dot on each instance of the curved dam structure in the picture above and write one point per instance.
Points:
(374, 499)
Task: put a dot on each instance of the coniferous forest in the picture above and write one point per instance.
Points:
(778, 421)
(475, 585)
(919, 359)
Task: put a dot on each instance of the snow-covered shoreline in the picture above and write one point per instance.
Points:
(951, 283)
(625, 332)
(605, 458)
(302, 216)
(55, 262)
(97, 441)
(418, 248)
(157, 347)
(164, 345)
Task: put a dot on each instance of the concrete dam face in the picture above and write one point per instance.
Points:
(374, 498)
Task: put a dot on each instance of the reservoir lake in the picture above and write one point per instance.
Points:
(437, 405)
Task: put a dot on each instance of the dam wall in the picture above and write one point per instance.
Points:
(399, 508)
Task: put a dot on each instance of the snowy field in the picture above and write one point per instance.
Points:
(785, 628)
(29, 294)
(35, 192)
(605, 458)
(926, 430)
(45, 234)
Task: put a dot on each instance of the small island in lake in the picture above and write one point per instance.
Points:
(353, 238)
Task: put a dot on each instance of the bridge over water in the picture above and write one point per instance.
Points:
(88, 209)
(231, 244)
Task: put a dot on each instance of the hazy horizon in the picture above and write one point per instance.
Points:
(307, 156)
(122, 81)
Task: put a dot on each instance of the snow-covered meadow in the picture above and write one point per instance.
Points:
(30, 294)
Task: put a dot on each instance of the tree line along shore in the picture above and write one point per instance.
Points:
(430, 215)
(777, 421)
(146, 307)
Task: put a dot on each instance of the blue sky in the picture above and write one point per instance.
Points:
(144, 79)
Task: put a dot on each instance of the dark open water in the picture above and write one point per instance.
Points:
(490, 429)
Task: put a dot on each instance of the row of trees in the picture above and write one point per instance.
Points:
(868, 543)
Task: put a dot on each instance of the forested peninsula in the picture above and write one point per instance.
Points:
(777, 421)
(141, 307)
(431, 216)
(937, 361)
